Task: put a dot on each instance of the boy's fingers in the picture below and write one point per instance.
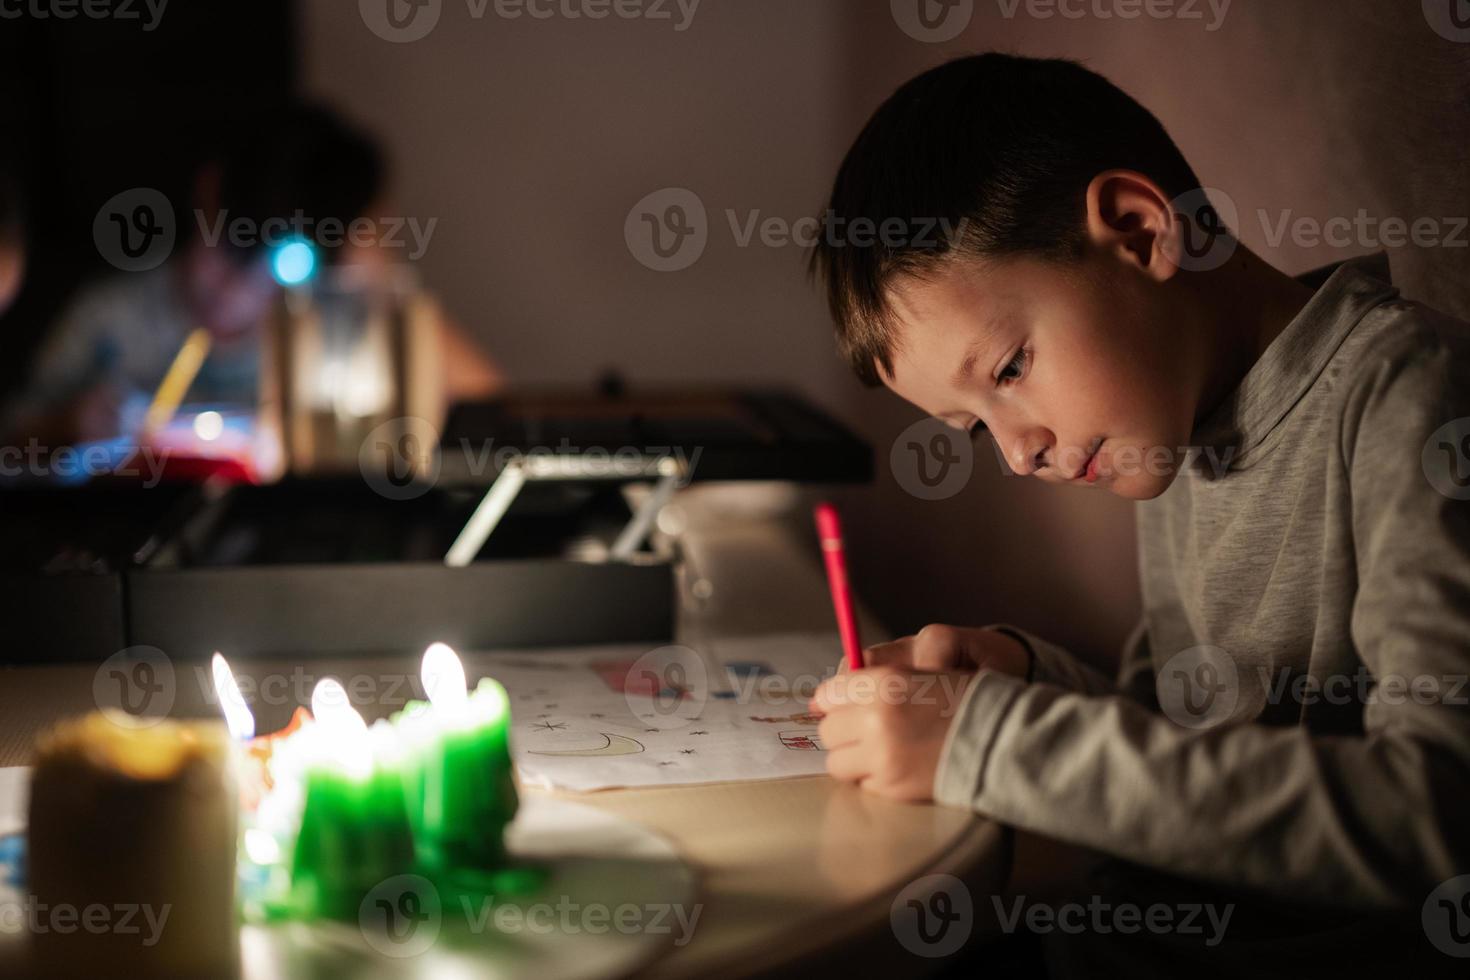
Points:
(934, 649)
(896, 653)
(839, 730)
(847, 764)
(938, 648)
(854, 687)
(827, 695)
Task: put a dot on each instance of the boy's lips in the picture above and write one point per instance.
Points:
(1089, 471)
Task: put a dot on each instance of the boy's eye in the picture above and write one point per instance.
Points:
(1015, 368)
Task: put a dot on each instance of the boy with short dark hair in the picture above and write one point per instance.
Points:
(1288, 726)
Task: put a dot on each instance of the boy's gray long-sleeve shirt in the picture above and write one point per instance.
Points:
(1290, 716)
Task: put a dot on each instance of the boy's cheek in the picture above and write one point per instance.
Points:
(1141, 467)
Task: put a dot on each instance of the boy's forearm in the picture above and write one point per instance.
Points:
(1365, 822)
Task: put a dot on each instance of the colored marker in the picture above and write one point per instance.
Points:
(829, 531)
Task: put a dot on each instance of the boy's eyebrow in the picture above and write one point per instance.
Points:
(977, 347)
(967, 364)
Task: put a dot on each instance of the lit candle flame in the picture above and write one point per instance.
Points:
(343, 729)
(238, 716)
(443, 676)
(261, 847)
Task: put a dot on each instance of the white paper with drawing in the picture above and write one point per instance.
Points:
(602, 717)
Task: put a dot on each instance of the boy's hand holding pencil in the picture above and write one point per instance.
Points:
(889, 709)
(886, 723)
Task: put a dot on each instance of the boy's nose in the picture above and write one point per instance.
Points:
(1029, 453)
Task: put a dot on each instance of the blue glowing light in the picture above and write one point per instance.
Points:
(294, 262)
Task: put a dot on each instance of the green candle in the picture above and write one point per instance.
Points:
(416, 737)
(457, 769)
(354, 829)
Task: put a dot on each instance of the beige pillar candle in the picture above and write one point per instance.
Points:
(132, 850)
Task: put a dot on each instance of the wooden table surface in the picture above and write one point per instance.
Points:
(794, 874)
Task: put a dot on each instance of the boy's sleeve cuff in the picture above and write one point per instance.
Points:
(1026, 640)
(1051, 664)
(982, 710)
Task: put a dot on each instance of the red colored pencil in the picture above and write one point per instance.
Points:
(829, 531)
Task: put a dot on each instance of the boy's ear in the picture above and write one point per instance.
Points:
(1131, 217)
